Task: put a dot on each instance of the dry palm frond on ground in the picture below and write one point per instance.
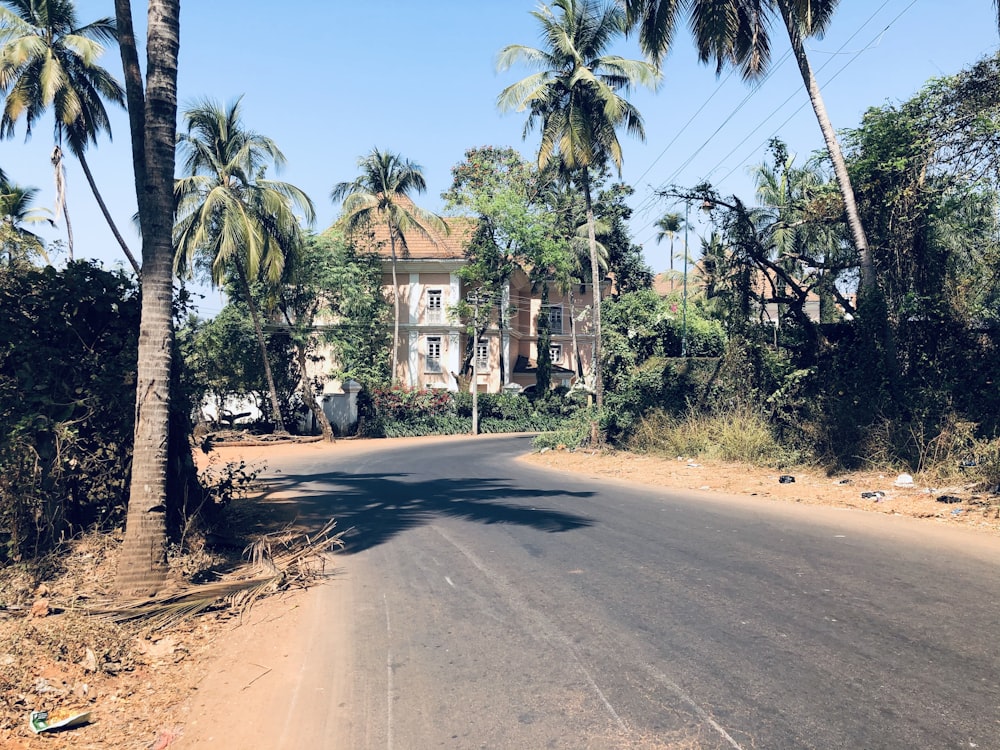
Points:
(277, 561)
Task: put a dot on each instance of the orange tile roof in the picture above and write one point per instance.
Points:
(434, 245)
(664, 284)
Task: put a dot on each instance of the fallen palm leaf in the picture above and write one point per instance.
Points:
(283, 559)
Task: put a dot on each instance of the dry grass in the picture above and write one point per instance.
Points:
(739, 434)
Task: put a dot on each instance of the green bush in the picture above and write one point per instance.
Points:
(68, 343)
(575, 432)
(403, 412)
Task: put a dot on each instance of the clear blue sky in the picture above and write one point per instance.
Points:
(330, 79)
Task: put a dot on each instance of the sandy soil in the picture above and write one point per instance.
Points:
(868, 491)
(179, 689)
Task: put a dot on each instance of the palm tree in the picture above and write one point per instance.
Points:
(737, 32)
(667, 228)
(381, 195)
(16, 212)
(241, 223)
(575, 96)
(47, 60)
(152, 110)
(580, 260)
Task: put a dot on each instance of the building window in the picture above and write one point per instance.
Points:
(554, 313)
(435, 307)
(433, 354)
(482, 356)
(555, 353)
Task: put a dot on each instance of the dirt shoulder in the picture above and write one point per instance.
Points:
(954, 504)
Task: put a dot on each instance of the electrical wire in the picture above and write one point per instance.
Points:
(645, 205)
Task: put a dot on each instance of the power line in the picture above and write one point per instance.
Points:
(753, 92)
(798, 109)
(651, 197)
(685, 125)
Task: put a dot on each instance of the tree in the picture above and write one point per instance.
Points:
(47, 60)
(240, 223)
(667, 227)
(804, 206)
(222, 358)
(929, 184)
(776, 253)
(575, 96)
(333, 296)
(18, 242)
(68, 341)
(504, 192)
(153, 123)
(381, 194)
(736, 32)
(624, 257)
(566, 204)
(579, 245)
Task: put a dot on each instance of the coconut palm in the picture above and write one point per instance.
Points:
(381, 194)
(793, 202)
(580, 260)
(667, 228)
(18, 242)
(736, 32)
(228, 215)
(153, 124)
(575, 98)
(47, 60)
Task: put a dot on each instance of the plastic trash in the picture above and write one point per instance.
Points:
(876, 495)
(60, 718)
(786, 479)
(904, 480)
(949, 499)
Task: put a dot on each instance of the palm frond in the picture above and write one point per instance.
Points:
(278, 561)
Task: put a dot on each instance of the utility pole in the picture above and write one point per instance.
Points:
(474, 299)
(684, 302)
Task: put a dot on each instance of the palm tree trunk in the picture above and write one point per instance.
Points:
(61, 204)
(395, 309)
(142, 564)
(577, 364)
(868, 285)
(833, 147)
(69, 228)
(279, 424)
(107, 215)
(595, 276)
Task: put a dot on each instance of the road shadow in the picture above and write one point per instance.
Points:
(372, 508)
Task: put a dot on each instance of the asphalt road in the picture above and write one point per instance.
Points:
(496, 605)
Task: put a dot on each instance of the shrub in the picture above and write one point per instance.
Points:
(405, 412)
(740, 434)
(68, 343)
(401, 404)
(575, 432)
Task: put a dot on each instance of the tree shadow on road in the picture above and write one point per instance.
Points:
(372, 508)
